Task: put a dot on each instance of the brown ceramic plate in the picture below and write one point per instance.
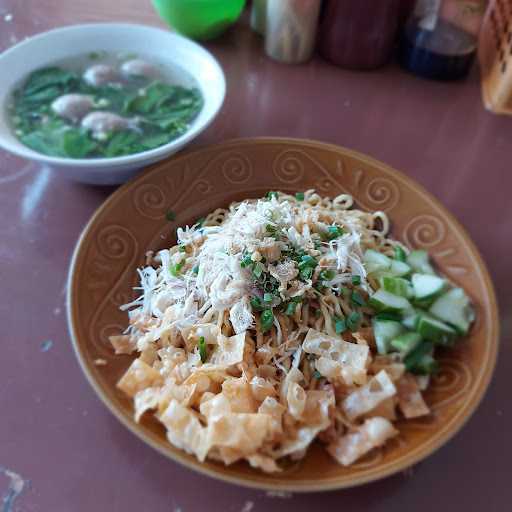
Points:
(133, 220)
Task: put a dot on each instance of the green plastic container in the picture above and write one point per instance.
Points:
(199, 19)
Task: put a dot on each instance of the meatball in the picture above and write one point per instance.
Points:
(100, 74)
(72, 106)
(102, 123)
(139, 68)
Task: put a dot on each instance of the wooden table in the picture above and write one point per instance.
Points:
(70, 453)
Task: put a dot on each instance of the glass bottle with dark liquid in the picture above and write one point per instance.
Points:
(437, 47)
(358, 34)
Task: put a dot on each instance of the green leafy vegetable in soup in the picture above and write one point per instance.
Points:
(103, 110)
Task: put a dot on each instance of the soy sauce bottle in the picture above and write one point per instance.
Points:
(358, 34)
(439, 40)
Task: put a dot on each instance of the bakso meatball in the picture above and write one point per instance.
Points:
(100, 74)
(139, 68)
(100, 124)
(72, 106)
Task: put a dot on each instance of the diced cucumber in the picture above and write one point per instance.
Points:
(426, 286)
(397, 317)
(455, 308)
(427, 365)
(436, 331)
(399, 268)
(419, 262)
(382, 300)
(423, 303)
(406, 342)
(384, 331)
(396, 285)
(410, 319)
(414, 357)
(400, 254)
(376, 262)
(379, 264)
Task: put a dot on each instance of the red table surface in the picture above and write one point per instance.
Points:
(54, 431)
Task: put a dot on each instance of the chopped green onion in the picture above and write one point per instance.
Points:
(270, 285)
(339, 325)
(195, 270)
(308, 261)
(176, 269)
(258, 270)
(357, 299)
(356, 280)
(266, 320)
(307, 266)
(268, 297)
(246, 261)
(272, 230)
(202, 349)
(294, 254)
(326, 275)
(400, 254)
(320, 286)
(317, 375)
(256, 304)
(334, 232)
(200, 221)
(299, 196)
(170, 216)
(353, 321)
(272, 194)
(306, 273)
(182, 248)
(291, 308)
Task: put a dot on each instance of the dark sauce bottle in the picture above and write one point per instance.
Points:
(358, 34)
(434, 46)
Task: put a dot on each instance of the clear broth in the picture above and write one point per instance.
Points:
(159, 110)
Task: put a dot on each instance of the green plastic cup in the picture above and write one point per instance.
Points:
(199, 19)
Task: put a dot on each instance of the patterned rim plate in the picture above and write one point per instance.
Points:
(133, 220)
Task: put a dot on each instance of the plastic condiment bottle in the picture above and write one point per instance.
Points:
(358, 34)
(290, 29)
(440, 38)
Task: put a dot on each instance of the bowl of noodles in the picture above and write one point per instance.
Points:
(285, 315)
